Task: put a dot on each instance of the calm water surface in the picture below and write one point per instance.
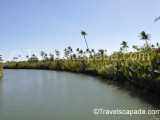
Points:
(50, 95)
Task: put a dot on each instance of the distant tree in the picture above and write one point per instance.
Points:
(121, 49)
(87, 51)
(51, 57)
(27, 57)
(42, 54)
(124, 45)
(153, 47)
(135, 47)
(33, 58)
(77, 49)
(83, 33)
(70, 50)
(57, 53)
(1, 58)
(157, 44)
(144, 36)
(81, 52)
(93, 51)
(101, 51)
(45, 56)
(66, 53)
(74, 56)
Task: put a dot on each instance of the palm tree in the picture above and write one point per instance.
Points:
(42, 54)
(93, 51)
(33, 58)
(157, 19)
(144, 36)
(77, 49)
(135, 47)
(81, 52)
(121, 49)
(27, 57)
(57, 53)
(83, 33)
(1, 58)
(1, 69)
(51, 57)
(74, 56)
(87, 50)
(153, 47)
(101, 51)
(124, 45)
(66, 53)
(70, 50)
(157, 44)
(45, 56)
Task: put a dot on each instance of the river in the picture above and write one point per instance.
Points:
(52, 95)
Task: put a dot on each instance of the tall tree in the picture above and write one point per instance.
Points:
(101, 52)
(45, 56)
(66, 53)
(51, 57)
(124, 45)
(42, 54)
(135, 47)
(57, 54)
(157, 44)
(144, 36)
(33, 58)
(83, 33)
(1, 58)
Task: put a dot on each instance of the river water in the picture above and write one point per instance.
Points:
(51, 95)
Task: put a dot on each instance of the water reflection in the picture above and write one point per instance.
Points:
(51, 95)
(150, 99)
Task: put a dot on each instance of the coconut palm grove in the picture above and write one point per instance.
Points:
(79, 60)
(139, 69)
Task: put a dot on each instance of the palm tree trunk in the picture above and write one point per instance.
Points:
(86, 42)
(146, 43)
(87, 46)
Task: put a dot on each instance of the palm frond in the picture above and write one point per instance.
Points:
(157, 19)
(83, 33)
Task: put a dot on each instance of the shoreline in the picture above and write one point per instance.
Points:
(1, 72)
(122, 84)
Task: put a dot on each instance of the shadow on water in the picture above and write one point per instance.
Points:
(147, 98)
(1, 80)
(1, 85)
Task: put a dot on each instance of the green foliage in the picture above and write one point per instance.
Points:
(1, 69)
(142, 72)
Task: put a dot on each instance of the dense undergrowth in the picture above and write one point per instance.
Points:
(1, 69)
(140, 69)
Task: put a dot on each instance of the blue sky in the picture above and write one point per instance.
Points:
(55, 24)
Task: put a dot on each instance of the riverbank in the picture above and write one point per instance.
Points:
(143, 75)
(66, 91)
(1, 72)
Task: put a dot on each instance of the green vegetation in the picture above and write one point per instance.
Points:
(145, 37)
(140, 68)
(1, 70)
